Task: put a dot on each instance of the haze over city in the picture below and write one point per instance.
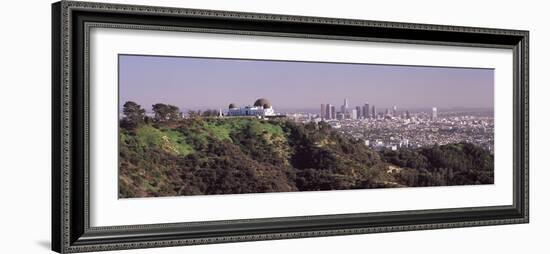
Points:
(201, 83)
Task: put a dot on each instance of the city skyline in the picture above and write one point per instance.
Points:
(298, 85)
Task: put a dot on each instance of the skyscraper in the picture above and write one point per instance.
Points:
(434, 114)
(373, 112)
(332, 112)
(344, 108)
(366, 112)
(322, 113)
(359, 112)
(346, 105)
(328, 113)
(354, 114)
(394, 110)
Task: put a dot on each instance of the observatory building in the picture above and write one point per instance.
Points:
(261, 108)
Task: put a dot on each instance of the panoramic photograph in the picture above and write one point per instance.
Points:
(211, 126)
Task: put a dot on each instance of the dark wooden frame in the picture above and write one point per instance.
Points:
(71, 22)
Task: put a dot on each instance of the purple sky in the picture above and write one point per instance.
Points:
(198, 83)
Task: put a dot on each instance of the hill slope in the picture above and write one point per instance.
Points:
(247, 155)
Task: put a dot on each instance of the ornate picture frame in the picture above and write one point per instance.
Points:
(71, 228)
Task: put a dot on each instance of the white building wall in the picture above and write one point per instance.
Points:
(251, 111)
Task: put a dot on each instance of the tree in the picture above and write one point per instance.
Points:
(134, 115)
(210, 113)
(165, 112)
(194, 114)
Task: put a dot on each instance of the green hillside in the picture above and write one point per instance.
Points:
(200, 156)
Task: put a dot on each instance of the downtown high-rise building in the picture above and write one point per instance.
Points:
(344, 108)
(353, 114)
(366, 112)
(332, 112)
(328, 111)
(373, 112)
(359, 112)
(346, 105)
(322, 114)
(434, 114)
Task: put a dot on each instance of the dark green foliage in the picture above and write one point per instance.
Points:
(165, 112)
(320, 179)
(205, 155)
(453, 164)
(205, 113)
(134, 115)
(210, 113)
(194, 114)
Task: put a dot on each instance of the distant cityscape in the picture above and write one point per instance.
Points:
(395, 128)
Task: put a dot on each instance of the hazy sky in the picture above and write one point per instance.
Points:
(194, 83)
